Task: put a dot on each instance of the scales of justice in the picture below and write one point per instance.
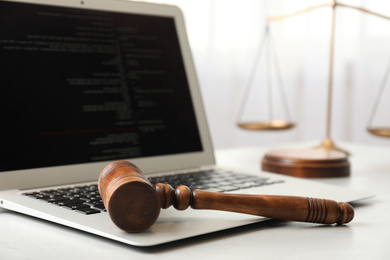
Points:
(327, 159)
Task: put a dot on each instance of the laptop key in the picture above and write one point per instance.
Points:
(68, 202)
(87, 211)
(76, 206)
(93, 203)
(99, 207)
(53, 199)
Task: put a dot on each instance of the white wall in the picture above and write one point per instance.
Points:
(225, 36)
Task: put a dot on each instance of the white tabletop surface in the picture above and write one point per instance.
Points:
(366, 237)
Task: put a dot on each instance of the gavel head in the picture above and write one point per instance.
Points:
(130, 199)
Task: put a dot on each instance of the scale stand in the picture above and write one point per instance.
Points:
(325, 160)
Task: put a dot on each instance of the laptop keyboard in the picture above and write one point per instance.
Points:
(213, 180)
(86, 199)
(82, 199)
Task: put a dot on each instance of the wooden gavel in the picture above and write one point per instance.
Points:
(134, 204)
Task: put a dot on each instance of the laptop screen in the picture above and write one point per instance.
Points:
(84, 86)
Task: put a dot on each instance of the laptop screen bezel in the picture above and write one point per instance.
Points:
(86, 172)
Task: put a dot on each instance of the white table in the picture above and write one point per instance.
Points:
(366, 237)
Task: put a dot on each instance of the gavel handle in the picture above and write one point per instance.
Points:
(278, 207)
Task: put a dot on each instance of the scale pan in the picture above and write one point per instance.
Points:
(379, 131)
(266, 125)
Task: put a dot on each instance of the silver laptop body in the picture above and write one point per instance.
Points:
(88, 82)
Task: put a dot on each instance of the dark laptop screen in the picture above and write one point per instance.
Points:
(81, 86)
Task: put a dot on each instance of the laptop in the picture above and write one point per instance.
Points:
(88, 82)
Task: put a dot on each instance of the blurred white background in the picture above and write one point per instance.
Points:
(225, 36)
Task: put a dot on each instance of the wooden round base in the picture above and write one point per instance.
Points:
(307, 163)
